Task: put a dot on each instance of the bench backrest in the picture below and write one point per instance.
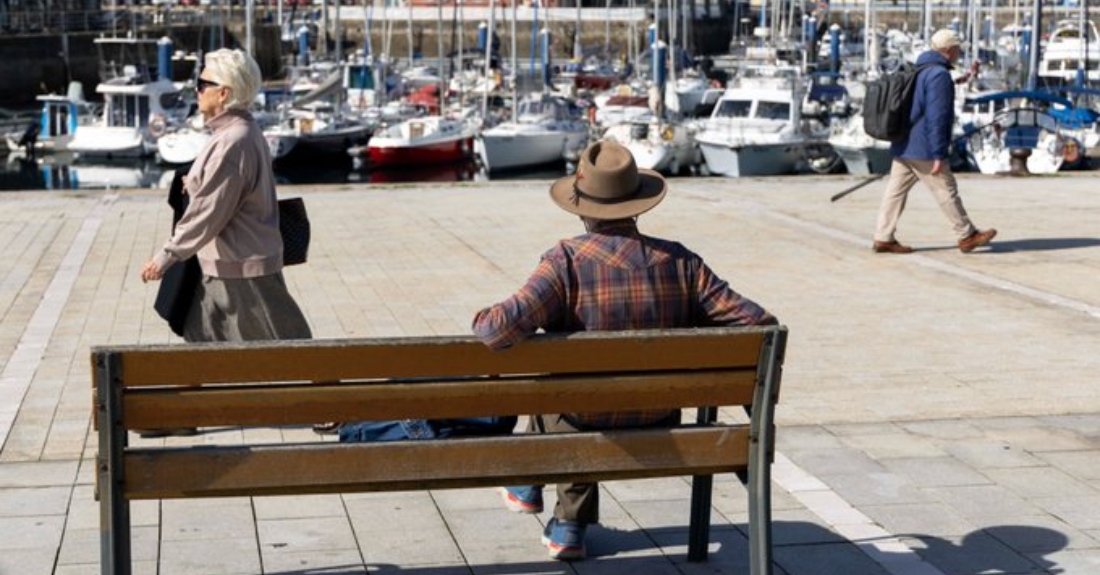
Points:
(275, 384)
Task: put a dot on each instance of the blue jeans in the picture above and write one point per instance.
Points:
(399, 430)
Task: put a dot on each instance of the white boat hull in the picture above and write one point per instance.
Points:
(751, 159)
(181, 147)
(517, 150)
(112, 142)
(865, 161)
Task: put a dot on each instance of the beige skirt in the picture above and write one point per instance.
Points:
(244, 309)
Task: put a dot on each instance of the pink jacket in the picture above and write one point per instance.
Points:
(232, 219)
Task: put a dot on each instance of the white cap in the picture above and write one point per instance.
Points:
(944, 39)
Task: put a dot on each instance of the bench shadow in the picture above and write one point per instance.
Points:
(1024, 245)
(800, 548)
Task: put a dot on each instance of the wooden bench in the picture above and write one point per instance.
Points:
(269, 384)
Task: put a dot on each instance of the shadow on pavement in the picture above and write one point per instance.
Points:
(800, 548)
(1042, 244)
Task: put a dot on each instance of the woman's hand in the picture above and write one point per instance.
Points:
(150, 272)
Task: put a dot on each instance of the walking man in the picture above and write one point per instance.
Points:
(923, 154)
(610, 278)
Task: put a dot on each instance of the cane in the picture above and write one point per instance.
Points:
(873, 178)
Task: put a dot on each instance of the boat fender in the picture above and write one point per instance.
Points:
(157, 126)
(667, 133)
(1071, 151)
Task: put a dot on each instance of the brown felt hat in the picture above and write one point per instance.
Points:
(608, 185)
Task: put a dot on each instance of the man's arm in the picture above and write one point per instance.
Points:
(938, 111)
(723, 306)
(524, 313)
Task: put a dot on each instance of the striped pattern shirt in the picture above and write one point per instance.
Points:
(615, 278)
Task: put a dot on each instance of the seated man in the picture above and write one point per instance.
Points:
(610, 278)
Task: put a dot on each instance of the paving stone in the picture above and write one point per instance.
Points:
(1082, 512)
(201, 519)
(313, 562)
(834, 462)
(893, 445)
(317, 533)
(935, 471)
(226, 556)
(1069, 561)
(25, 561)
(982, 502)
(919, 519)
(984, 454)
(38, 474)
(952, 429)
(1080, 464)
(831, 559)
(1033, 482)
(875, 489)
(29, 501)
(41, 532)
(805, 438)
(973, 553)
(300, 506)
(81, 546)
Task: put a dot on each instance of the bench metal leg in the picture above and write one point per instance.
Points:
(761, 453)
(702, 488)
(114, 509)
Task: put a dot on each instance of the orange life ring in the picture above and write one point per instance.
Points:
(1071, 152)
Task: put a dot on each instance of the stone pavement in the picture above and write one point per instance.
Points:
(940, 412)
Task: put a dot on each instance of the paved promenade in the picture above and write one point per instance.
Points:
(940, 412)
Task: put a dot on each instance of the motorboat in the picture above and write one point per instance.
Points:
(182, 145)
(1021, 135)
(658, 145)
(545, 130)
(862, 155)
(1068, 46)
(135, 113)
(57, 122)
(424, 140)
(756, 128)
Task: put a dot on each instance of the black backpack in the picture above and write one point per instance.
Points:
(888, 102)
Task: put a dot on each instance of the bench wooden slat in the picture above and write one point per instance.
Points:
(590, 352)
(467, 462)
(310, 403)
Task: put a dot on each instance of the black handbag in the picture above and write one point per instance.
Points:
(177, 287)
(294, 227)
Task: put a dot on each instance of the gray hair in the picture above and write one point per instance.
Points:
(237, 71)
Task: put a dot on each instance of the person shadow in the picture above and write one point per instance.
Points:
(806, 548)
(1023, 245)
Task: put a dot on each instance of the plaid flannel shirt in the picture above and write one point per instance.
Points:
(615, 278)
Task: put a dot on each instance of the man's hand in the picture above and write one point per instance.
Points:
(150, 272)
(937, 167)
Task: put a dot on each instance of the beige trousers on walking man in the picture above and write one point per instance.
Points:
(904, 174)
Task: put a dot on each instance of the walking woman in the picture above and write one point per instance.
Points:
(232, 218)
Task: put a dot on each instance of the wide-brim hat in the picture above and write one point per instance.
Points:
(608, 185)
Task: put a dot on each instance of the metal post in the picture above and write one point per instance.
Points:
(702, 487)
(114, 509)
(761, 453)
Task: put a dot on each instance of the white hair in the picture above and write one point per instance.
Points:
(237, 71)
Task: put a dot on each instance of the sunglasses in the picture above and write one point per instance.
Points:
(202, 84)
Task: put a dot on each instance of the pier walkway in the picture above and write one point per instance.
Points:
(940, 412)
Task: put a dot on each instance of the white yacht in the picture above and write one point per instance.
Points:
(1068, 45)
(755, 129)
(545, 130)
(658, 145)
(135, 113)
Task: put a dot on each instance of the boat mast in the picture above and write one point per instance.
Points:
(515, 63)
(488, 60)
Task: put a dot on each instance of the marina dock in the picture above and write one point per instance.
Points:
(939, 414)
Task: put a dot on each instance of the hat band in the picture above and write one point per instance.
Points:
(578, 193)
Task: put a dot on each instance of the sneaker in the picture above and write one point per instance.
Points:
(976, 240)
(564, 539)
(526, 499)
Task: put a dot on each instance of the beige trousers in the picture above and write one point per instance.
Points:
(904, 174)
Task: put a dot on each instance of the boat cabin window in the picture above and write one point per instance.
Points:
(360, 78)
(130, 110)
(773, 110)
(734, 109)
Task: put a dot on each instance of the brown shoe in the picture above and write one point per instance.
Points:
(892, 247)
(976, 240)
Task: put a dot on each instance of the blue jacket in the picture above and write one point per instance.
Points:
(933, 113)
